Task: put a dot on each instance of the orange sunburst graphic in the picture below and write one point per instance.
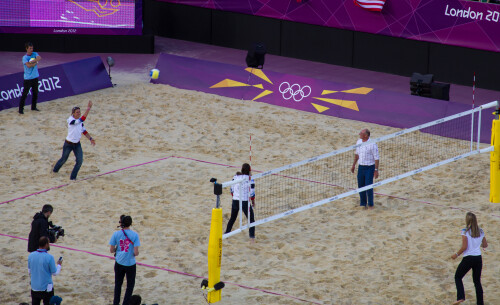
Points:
(349, 104)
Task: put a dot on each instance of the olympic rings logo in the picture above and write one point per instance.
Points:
(294, 91)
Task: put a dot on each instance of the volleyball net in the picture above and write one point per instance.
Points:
(319, 180)
(313, 182)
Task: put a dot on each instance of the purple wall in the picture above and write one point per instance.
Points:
(453, 22)
(314, 95)
(56, 82)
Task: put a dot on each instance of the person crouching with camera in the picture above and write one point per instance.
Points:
(40, 227)
(125, 244)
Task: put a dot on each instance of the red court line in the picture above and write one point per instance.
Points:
(329, 184)
(170, 270)
(33, 194)
(203, 161)
(232, 166)
(220, 164)
(63, 185)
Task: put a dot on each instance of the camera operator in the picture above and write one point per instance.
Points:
(40, 227)
(41, 267)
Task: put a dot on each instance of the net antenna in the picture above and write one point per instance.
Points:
(472, 115)
(250, 178)
(322, 179)
(250, 154)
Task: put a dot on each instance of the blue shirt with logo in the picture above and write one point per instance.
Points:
(41, 265)
(124, 246)
(30, 73)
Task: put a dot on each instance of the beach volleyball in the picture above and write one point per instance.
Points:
(154, 74)
(32, 59)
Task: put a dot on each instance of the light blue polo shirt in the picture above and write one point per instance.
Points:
(124, 248)
(41, 265)
(30, 73)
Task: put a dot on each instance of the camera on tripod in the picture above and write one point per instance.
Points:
(55, 231)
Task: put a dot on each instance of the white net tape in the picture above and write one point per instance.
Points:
(313, 182)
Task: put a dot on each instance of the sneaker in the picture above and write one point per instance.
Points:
(34, 109)
(21, 112)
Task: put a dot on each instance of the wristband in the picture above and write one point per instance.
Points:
(376, 169)
(457, 254)
(91, 138)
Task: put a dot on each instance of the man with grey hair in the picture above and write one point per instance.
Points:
(368, 158)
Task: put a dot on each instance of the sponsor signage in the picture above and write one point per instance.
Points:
(56, 82)
(317, 96)
(71, 17)
(462, 23)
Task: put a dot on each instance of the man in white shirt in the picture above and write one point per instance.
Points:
(368, 166)
(72, 142)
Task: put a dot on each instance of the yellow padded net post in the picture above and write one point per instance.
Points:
(215, 255)
(495, 162)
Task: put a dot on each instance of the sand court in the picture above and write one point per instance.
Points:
(335, 254)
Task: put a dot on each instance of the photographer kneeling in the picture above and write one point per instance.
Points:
(40, 227)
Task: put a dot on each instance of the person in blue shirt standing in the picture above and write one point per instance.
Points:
(41, 267)
(30, 63)
(125, 244)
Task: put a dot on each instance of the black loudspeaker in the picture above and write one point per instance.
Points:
(255, 56)
(420, 84)
(440, 91)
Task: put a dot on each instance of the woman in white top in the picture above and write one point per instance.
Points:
(247, 192)
(472, 239)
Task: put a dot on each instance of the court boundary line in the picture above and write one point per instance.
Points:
(170, 270)
(329, 184)
(233, 166)
(212, 163)
(91, 177)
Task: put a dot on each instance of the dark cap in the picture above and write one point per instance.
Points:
(125, 221)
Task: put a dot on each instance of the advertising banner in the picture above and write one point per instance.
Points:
(70, 17)
(56, 82)
(463, 23)
(313, 95)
